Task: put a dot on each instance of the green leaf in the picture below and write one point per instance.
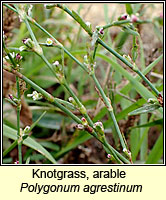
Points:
(30, 142)
(145, 109)
(50, 120)
(130, 31)
(129, 9)
(50, 145)
(143, 91)
(74, 142)
(81, 22)
(156, 152)
(150, 124)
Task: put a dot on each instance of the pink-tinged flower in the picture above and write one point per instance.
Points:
(101, 31)
(108, 155)
(17, 162)
(18, 56)
(80, 126)
(83, 119)
(134, 18)
(123, 17)
(10, 96)
(161, 15)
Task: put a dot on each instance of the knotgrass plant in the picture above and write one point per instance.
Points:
(94, 129)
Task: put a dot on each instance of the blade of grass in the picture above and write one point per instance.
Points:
(30, 142)
(144, 92)
(156, 152)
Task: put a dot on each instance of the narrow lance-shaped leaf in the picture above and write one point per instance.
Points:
(130, 31)
(156, 152)
(81, 22)
(30, 142)
(129, 9)
(145, 109)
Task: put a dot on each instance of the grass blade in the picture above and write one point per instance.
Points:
(156, 152)
(30, 142)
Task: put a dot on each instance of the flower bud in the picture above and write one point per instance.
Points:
(22, 48)
(152, 100)
(88, 24)
(80, 126)
(101, 31)
(28, 42)
(134, 18)
(108, 155)
(84, 121)
(98, 126)
(56, 63)
(10, 96)
(26, 129)
(18, 57)
(123, 17)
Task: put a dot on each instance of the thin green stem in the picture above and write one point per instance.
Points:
(13, 145)
(95, 50)
(53, 100)
(148, 82)
(112, 152)
(110, 110)
(118, 23)
(81, 107)
(109, 48)
(78, 62)
(31, 32)
(18, 120)
(18, 104)
(48, 64)
(129, 65)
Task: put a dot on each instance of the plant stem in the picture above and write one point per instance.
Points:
(118, 23)
(53, 100)
(18, 104)
(18, 120)
(31, 32)
(81, 107)
(14, 144)
(110, 111)
(111, 50)
(129, 65)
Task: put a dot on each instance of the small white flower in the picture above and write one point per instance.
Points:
(88, 24)
(80, 126)
(20, 18)
(99, 124)
(34, 95)
(56, 63)
(4, 36)
(27, 40)
(49, 42)
(30, 10)
(22, 48)
(12, 55)
(152, 100)
(124, 150)
(85, 57)
(108, 155)
(71, 99)
(27, 128)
